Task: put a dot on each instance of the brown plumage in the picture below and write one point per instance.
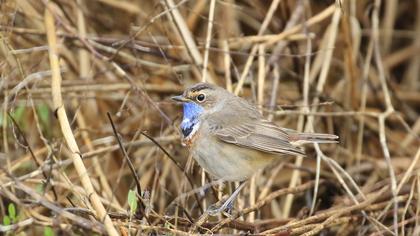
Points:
(233, 140)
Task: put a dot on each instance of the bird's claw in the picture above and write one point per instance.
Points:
(226, 208)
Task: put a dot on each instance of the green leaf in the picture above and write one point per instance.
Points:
(18, 113)
(39, 188)
(43, 114)
(48, 231)
(12, 212)
(132, 201)
(6, 220)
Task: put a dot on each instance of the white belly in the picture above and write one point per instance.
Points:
(228, 161)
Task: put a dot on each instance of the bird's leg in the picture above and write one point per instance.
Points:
(228, 204)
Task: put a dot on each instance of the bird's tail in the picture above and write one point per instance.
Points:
(302, 138)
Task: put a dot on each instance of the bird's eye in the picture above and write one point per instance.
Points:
(201, 97)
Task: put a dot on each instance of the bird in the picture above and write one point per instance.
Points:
(230, 139)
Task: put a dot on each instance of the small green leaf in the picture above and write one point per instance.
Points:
(44, 116)
(39, 188)
(18, 113)
(48, 231)
(132, 201)
(6, 220)
(43, 113)
(12, 212)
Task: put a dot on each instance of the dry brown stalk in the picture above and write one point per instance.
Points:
(91, 194)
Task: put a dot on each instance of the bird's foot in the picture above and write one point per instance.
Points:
(227, 205)
(226, 208)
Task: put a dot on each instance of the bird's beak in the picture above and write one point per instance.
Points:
(179, 98)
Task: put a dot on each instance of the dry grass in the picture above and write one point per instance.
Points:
(88, 131)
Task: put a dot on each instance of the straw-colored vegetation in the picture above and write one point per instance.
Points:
(90, 141)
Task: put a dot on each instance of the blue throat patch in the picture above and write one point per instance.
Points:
(191, 113)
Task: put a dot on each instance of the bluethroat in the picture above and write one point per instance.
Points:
(230, 139)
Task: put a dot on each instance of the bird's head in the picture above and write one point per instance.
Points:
(204, 95)
(197, 100)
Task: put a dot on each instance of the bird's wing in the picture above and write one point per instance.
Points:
(244, 126)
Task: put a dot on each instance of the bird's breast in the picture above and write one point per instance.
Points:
(227, 161)
(189, 132)
(190, 122)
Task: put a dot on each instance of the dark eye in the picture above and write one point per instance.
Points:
(201, 97)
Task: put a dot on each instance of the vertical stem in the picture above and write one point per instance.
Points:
(208, 39)
(98, 208)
